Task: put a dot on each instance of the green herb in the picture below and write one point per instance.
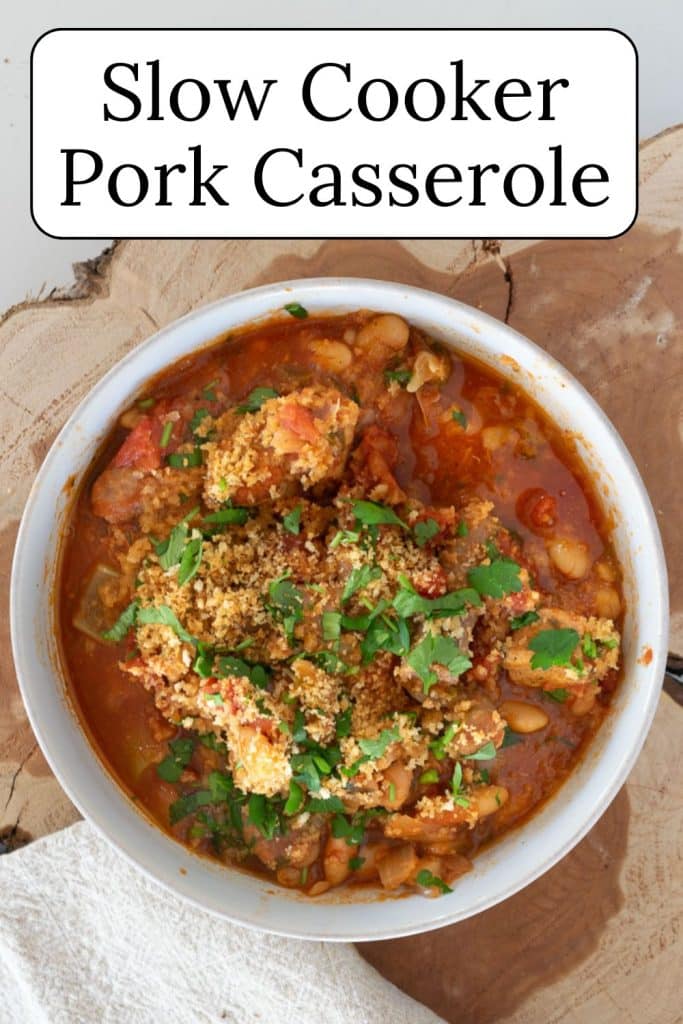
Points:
(492, 550)
(589, 646)
(229, 665)
(170, 551)
(203, 663)
(188, 804)
(559, 695)
(356, 863)
(438, 746)
(456, 786)
(208, 393)
(377, 747)
(166, 434)
(210, 741)
(164, 616)
(429, 881)
(292, 521)
(125, 622)
(553, 647)
(190, 562)
(255, 399)
(343, 723)
(146, 403)
(332, 805)
(392, 791)
(196, 422)
(285, 604)
(385, 634)
(342, 828)
(214, 698)
(440, 650)
(459, 416)
(485, 753)
(359, 579)
(370, 513)
(295, 798)
(331, 623)
(172, 766)
(424, 531)
(519, 621)
(185, 460)
(408, 602)
(344, 537)
(609, 644)
(430, 776)
(221, 785)
(510, 738)
(228, 517)
(297, 310)
(400, 376)
(262, 813)
(499, 578)
(484, 776)
(462, 528)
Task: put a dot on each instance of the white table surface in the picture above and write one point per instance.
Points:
(31, 263)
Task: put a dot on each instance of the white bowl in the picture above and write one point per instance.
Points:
(522, 854)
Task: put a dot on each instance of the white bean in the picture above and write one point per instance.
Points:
(570, 557)
(387, 331)
(330, 355)
(607, 603)
(488, 799)
(522, 717)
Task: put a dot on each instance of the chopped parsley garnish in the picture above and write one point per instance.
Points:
(371, 513)
(146, 403)
(589, 646)
(292, 521)
(462, 529)
(456, 786)
(188, 804)
(164, 616)
(256, 398)
(190, 562)
(342, 828)
(498, 579)
(166, 434)
(343, 723)
(297, 310)
(510, 738)
(408, 602)
(196, 423)
(125, 622)
(385, 634)
(559, 695)
(430, 776)
(485, 753)
(440, 650)
(329, 805)
(172, 766)
(344, 537)
(400, 376)
(424, 531)
(359, 579)
(459, 416)
(438, 746)
(553, 647)
(295, 799)
(208, 393)
(185, 460)
(229, 665)
(285, 603)
(170, 551)
(377, 747)
(526, 619)
(263, 813)
(356, 863)
(228, 517)
(331, 624)
(427, 880)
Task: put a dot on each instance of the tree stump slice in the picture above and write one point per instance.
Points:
(595, 939)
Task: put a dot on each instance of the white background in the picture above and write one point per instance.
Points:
(30, 262)
(589, 116)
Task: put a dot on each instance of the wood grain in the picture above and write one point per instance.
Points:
(596, 939)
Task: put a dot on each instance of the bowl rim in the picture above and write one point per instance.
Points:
(329, 289)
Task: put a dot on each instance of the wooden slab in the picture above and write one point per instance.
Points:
(595, 940)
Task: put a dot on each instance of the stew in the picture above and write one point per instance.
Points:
(339, 605)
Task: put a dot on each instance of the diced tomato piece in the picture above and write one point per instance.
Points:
(537, 509)
(431, 583)
(141, 449)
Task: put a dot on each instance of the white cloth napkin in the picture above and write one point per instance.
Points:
(87, 939)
